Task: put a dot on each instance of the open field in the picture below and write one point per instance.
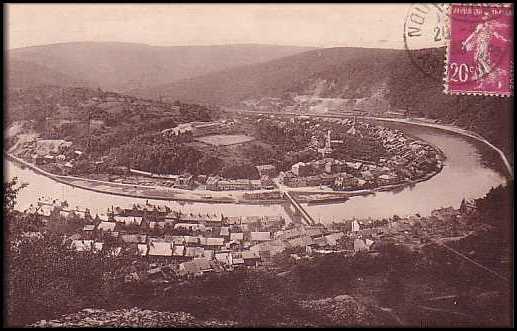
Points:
(225, 140)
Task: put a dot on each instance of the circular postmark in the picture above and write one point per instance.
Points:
(436, 32)
(425, 32)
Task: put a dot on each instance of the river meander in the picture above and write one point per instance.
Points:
(466, 174)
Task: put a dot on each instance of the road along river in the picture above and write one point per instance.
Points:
(466, 174)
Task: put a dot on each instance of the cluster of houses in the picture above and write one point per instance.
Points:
(175, 244)
(413, 231)
(188, 241)
(56, 153)
(217, 183)
(191, 244)
(412, 159)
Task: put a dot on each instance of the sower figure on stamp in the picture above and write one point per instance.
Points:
(479, 41)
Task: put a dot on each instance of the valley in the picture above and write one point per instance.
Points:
(252, 185)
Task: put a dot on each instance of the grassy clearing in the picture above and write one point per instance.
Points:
(225, 140)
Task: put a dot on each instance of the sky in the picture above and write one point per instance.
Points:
(320, 25)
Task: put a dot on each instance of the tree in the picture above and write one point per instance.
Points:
(11, 190)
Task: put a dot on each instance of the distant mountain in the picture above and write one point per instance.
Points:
(348, 72)
(24, 74)
(122, 66)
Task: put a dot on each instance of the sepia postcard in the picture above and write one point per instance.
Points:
(258, 165)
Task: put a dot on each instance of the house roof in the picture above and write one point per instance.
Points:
(213, 218)
(152, 225)
(250, 255)
(133, 238)
(359, 245)
(273, 246)
(102, 217)
(290, 233)
(193, 226)
(86, 245)
(271, 219)
(208, 253)
(75, 236)
(97, 246)
(225, 231)
(191, 239)
(178, 250)
(320, 241)
(265, 167)
(333, 237)
(81, 245)
(178, 240)
(233, 219)
(251, 219)
(203, 263)
(223, 257)
(260, 236)
(160, 249)
(127, 220)
(214, 241)
(189, 268)
(195, 266)
(89, 227)
(116, 250)
(142, 249)
(106, 226)
(45, 210)
(237, 260)
(194, 251)
(237, 236)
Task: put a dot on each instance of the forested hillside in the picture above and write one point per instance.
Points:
(352, 73)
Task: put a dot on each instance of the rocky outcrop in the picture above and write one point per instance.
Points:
(134, 317)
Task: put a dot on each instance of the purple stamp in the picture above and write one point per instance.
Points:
(480, 50)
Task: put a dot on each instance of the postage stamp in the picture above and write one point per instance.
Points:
(479, 57)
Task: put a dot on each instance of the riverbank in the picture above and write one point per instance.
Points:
(453, 129)
(349, 194)
(167, 194)
(421, 122)
(137, 191)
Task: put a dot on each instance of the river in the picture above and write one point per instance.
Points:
(465, 175)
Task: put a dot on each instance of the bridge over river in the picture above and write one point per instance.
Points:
(299, 209)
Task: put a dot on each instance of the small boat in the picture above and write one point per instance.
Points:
(322, 200)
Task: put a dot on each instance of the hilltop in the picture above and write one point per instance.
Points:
(346, 72)
(119, 66)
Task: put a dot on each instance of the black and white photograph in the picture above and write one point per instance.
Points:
(258, 165)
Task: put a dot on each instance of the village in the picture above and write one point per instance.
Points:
(406, 159)
(164, 245)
